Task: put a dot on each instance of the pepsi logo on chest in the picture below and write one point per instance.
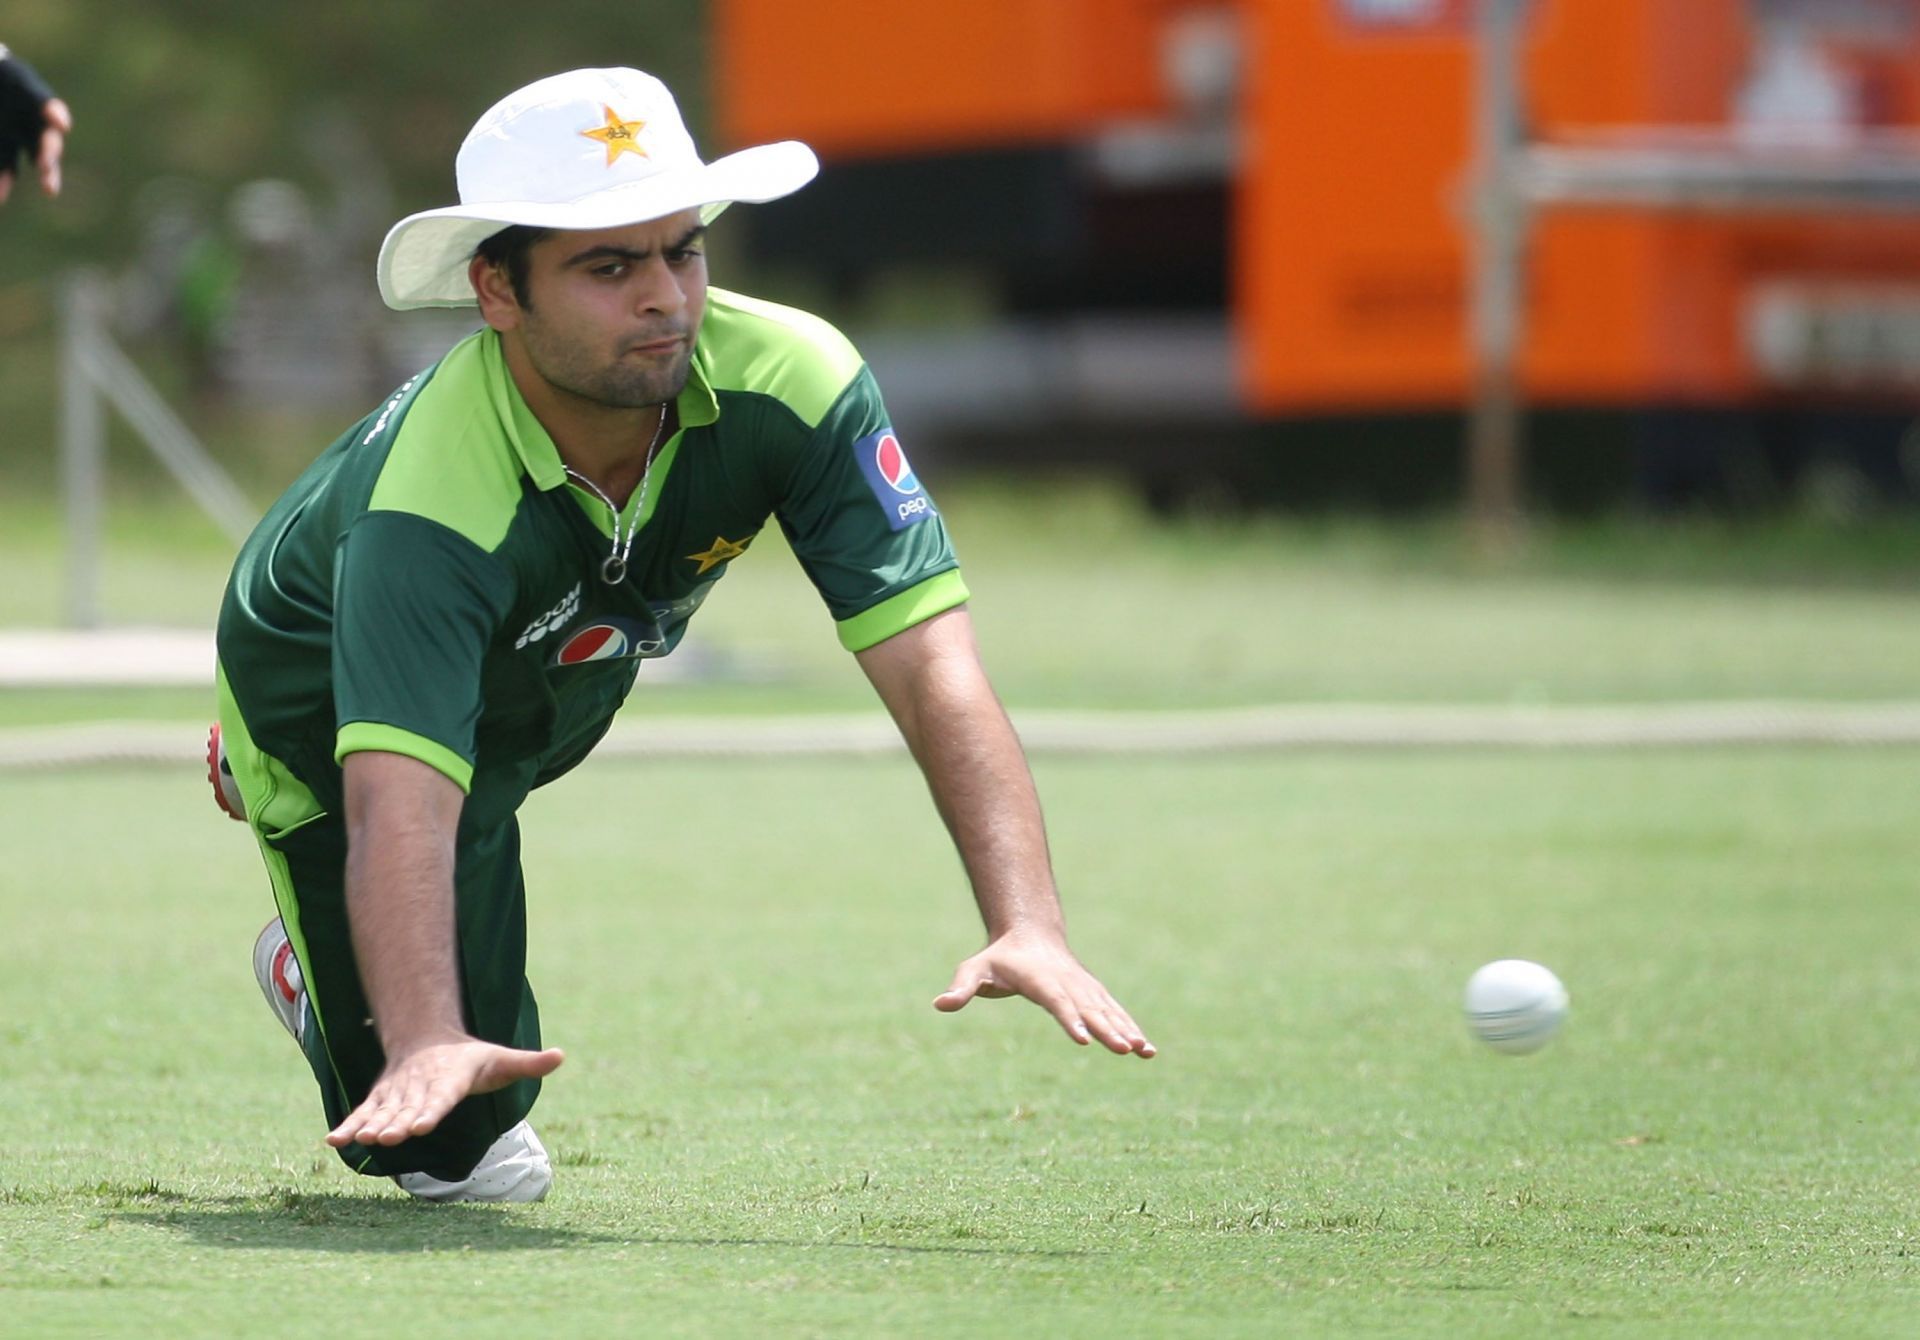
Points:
(610, 639)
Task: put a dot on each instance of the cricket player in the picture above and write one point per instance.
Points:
(448, 607)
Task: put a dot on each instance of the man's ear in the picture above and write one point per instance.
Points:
(499, 307)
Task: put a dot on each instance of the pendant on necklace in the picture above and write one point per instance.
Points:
(613, 568)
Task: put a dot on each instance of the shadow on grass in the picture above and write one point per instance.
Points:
(297, 1221)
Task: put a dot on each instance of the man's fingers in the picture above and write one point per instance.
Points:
(969, 980)
(1062, 1007)
(403, 1103)
(51, 144)
(419, 1115)
(414, 1098)
(1117, 1030)
(964, 989)
(395, 1117)
(364, 1119)
(1085, 1010)
(426, 1102)
(1120, 1035)
(1105, 1031)
(6, 186)
(389, 1123)
(1099, 1019)
(399, 1126)
(508, 1065)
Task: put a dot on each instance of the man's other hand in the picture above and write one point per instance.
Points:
(1045, 971)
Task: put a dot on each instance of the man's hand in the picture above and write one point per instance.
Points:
(32, 121)
(1046, 972)
(415, 1091)
(929, 677)
(402, 817)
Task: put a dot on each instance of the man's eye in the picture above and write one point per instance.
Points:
(681, 255)
(611, 270)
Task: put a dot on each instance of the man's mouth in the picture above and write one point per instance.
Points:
(665, 344)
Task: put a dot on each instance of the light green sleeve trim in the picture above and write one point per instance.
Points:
(357, 736)
(900, 612)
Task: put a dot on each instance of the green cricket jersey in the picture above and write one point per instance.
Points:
(432, 585)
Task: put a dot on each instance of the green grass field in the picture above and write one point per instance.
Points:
(764, 1129)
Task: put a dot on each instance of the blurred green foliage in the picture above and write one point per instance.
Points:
(179, 103)
(222, 91)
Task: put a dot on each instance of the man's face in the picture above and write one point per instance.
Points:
(611, 314)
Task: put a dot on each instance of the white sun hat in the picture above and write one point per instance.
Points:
(585, 149)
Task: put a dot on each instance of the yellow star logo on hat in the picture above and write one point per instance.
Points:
(722, 550)
(620, 137)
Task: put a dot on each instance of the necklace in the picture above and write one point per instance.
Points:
(613, 570)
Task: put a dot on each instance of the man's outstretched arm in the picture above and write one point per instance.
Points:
(402, 816)
(932, 682)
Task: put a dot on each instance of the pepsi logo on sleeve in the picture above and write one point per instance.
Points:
(890, 475)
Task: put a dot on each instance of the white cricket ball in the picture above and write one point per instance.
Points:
(1515, 1006)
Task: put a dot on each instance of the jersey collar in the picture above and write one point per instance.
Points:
(530, 441)
(696, 403)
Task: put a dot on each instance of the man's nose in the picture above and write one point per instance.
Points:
(659, 287)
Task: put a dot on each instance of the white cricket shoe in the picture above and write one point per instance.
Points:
(514, 1169)
(278, 972)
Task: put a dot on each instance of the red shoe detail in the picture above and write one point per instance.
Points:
(228, 805)
(280, 982)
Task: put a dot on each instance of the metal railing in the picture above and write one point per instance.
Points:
(1674, 168)
(95, 374)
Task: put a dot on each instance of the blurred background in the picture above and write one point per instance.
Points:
(1242, 267)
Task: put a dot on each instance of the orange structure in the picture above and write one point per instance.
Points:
(1348, 200)
(1352, 210)
(862, 77)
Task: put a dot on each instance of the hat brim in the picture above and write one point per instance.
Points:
(423, 262)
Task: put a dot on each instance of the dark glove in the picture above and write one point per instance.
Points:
(24, 96)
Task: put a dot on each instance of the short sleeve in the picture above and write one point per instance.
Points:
(415, 607)
(863, 525)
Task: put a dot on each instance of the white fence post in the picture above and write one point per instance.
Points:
(1494, 491)
(92, 369)
(82, 454)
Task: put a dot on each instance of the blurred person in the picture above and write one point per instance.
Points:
(445, 611)
(34, 124)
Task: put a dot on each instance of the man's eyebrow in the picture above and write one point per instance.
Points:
(607, 251)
